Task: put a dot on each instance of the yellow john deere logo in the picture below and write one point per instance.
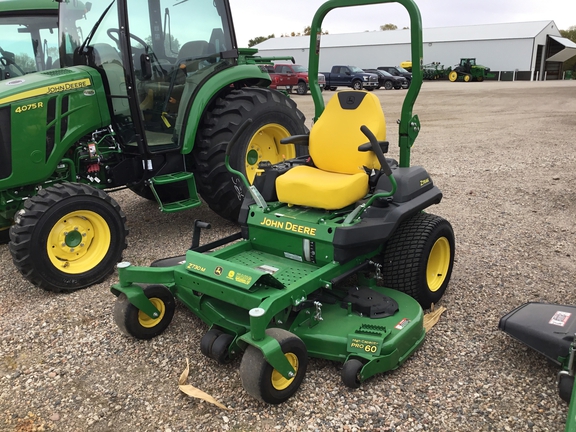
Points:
(218, 271)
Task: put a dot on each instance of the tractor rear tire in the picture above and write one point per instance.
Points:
(133, 322)
(274, 116)
(419, 257)
(453, 76)
(265, 383)
(67, 237)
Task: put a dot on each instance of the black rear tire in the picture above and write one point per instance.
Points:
(302, 88)
(67, 237)
(388, 85)
(4, 235)
(419, 257)
(274, 116)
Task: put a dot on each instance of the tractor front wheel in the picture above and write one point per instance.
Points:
(419, 257)
(68, 237)
(264, 382)
(274, 116)
(133, 322)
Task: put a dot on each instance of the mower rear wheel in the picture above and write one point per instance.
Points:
(274, 115)
(133, 322)
(351, 373)
(208, 340)
(419, 257)
(68, 237)
(265, 383)
(221, 347)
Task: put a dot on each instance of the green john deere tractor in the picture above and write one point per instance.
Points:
(29, 40)
(335, 258)
(468, 70)
(148, 96)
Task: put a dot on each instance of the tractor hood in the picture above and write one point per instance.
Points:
(22, 88)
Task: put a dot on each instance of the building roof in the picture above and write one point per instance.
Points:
(517, 30)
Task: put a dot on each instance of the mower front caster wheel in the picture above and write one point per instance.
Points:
(264, 382)
(133, 322)
(208, 340)
(351, 373)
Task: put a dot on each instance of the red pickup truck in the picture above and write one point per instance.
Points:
(281, 81)
(297, 75)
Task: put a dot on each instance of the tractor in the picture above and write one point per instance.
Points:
(148, 97)
(29, 36)
(468, 70)
(335, 258)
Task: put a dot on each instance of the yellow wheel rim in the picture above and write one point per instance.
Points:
(78, 242)
(278, 381)
(453, 76)
(438, 264)
(265, 145)
(466, 78)
(148, 322)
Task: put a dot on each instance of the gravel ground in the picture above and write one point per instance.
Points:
(504, 156)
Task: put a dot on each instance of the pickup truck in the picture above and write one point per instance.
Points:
(350, 76)
(398, 71)
(301, 73)
(281, 81)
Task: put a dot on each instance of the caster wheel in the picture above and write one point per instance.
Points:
(207, 341)
(219, 351)
(351, 373)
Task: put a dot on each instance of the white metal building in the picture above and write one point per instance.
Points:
(535, 49)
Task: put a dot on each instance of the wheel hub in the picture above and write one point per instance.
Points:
(265, 145)
(438, 264)
(78, 242)
(278, 381)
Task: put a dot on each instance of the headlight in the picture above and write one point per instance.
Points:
(365, 78)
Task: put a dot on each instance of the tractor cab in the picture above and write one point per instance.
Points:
(152, 56)
(28, 42)
(467, 63)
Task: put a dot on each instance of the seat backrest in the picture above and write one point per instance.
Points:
(191, 50)
(335, 137)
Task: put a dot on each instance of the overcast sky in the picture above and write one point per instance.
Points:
(254, 18)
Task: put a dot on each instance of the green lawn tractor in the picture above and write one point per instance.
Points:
(468, 70)
(550, 330)
(29, 40)
(335, 258)
(148, 97)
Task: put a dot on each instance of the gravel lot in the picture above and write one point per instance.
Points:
(505, 157)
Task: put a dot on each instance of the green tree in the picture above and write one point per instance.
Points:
(388, 27)
(25, 62)
(259, 39)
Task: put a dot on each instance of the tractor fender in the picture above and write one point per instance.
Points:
(202, 96)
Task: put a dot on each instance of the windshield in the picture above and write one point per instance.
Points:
(401, 69)
(299, 68)
(386, 74)
(28, 44)
(159, 26)
(355, 69)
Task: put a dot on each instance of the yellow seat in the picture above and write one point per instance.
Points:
(338, 178)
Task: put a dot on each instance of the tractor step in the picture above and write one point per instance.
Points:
(173, 178)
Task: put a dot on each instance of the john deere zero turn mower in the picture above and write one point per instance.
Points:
(335, 258)
(549, 329)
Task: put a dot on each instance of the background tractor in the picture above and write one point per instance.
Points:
(29, 37)
(336, 257)
(468, 70)
(148, 96)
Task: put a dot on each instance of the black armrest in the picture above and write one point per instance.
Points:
(296, 140)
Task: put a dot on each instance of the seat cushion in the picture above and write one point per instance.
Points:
(311, 187)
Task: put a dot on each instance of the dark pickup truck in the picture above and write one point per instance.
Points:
(350, 76)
